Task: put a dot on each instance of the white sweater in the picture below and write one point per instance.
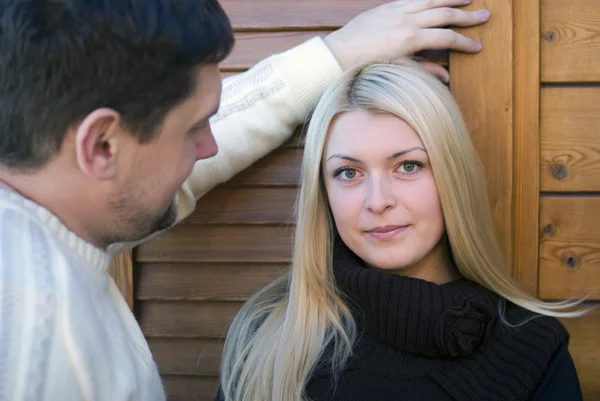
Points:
(66, 333)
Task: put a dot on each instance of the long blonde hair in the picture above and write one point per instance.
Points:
(279, 335)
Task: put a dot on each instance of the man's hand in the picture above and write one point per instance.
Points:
(402, 28)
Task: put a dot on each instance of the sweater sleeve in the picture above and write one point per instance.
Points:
(560, 383)
(259, 111)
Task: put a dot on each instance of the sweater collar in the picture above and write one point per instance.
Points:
(416, 316)
(88, 254)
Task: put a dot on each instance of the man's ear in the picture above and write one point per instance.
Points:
(96, 144)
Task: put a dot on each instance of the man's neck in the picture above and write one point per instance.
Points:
(49, 194)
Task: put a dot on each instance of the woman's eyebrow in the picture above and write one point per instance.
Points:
(395, 155)
(403, 152)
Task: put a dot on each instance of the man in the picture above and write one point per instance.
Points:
(106, 138)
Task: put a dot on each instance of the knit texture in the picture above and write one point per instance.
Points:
(423, 341)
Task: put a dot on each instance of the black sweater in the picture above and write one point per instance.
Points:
(422, 341)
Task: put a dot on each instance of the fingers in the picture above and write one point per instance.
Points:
(439, 17)
(440, 72)
(416, 6)
(438, 39)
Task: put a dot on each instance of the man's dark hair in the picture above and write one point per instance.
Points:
(61, 59)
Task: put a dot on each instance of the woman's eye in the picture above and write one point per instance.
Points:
(410, 167)
(345, 174)
(349, 173)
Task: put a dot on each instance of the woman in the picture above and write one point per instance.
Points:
(398, 289)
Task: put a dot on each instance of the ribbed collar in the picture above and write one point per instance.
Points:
(416, 316)
(91, 256)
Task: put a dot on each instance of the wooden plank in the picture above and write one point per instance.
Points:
(279, 168)
(121, 270)
(584, 347)
(201, 282)
(526, 139)
(293, 14)
(187, 319)
(182, 388)
(252, 47)
(197, 243)
(569, 247)
(483, 87)
(570, 140)
(570, 40)
(187, 356)
(226, 205)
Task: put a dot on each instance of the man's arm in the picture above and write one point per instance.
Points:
(261, 108)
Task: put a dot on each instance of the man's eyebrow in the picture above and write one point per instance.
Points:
(199, 124)
(395, 155)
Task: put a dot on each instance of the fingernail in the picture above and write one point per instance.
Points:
(483, 14)
(479, 46)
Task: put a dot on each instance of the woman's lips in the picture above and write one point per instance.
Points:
(386, 233)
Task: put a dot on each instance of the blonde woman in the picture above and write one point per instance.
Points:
(398, 289)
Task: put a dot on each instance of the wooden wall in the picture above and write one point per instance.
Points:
(532, 102)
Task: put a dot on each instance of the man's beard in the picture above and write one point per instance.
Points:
(133, 224)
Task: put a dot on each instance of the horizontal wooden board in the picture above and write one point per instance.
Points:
(250, 48)
(201, 282)
(570, 139)
(570, 45)
(584, 347)
(226, 205)
(569, 247)
(187, 319)
(279, 168)
(287, 14)
(200, 243)
(187, 356)
(181, 388)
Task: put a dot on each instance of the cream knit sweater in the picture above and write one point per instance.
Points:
(66, 333)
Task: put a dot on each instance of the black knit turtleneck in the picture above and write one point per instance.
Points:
(422, 341)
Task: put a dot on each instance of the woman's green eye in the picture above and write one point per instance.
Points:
(409, 167)
(350, 174)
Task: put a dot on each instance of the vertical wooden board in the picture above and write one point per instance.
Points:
(570, 247)
(526, 145)
(121, 270)
(483, 87)
(570, 40)
(570, 139)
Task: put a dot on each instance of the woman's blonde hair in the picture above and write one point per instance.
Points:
(279, 335)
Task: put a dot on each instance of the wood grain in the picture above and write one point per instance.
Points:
(121, 270)
(250, 48)
(187, 319)
(182, 388)
(187, 356)
(525, 201)
(226, 205)
(483, 87)
(293, 14)
(570, 139)
(204, 282)
(279, 168)
(196, 243)
(570, 40)
(569, 247)
(584, 348)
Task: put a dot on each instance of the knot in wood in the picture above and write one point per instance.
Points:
(549, 36)
(570, 259)
(558, 171)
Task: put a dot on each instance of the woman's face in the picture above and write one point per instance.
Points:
(382, 192)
